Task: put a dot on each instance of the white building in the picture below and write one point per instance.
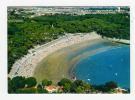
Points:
(118, 9)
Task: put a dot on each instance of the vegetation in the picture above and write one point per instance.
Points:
(28, 32)
(15, 20)
(49, 83)
(64, 81)
(24, 33)
(26, 90)
(45, 82)
(111, 85)
(21, 85)
(18, 83)
(31, 82)
(41, 89)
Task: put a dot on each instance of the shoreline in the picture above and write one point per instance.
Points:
(26, 65)
(122, 41)
(62, 62)
(92, 53)
(79, 67)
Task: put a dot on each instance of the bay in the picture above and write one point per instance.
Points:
(112, 64)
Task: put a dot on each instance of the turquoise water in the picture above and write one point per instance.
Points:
(109, 64)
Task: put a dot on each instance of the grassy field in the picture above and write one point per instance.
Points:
(15, 20)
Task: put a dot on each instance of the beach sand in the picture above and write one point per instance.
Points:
(27, 65)
(60, 64)
(57, 59)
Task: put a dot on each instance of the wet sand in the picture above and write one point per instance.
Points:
(27, 64)
(60, 64)
(55, 60)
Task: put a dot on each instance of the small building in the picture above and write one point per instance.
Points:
(74, 78)
(51, 88)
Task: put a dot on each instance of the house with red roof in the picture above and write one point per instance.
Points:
(51, 88)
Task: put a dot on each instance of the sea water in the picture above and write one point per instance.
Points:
(110, 64)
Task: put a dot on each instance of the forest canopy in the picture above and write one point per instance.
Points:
(25, 34)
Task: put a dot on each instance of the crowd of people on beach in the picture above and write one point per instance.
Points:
(26, 65)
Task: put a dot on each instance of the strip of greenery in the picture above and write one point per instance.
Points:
(39, 30)
(15, 20)
(21, 84)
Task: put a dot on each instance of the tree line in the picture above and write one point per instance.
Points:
(21, 84)
(42, 29)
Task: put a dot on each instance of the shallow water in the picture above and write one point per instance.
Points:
(112, 64)
(59, 64)
(95, 62)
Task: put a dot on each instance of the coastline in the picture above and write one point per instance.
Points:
(85, 55)
(123, 41)
(59, 64)
(107, 61)
(26, 65)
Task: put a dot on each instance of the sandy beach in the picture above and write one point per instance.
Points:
(56, 59)
(60, 64)
(27, 64)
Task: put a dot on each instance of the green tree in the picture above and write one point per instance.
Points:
(73, 88)
(100, 88)
(39, 87)
(93, 88)
(44, 82)
(27, 90)
(111, 85)
(86, 87)
(31, 82)
(10, 87)
(79, 90)
(63, 81)
(43, 91)
(18, 82)
(66, 87)
(49, 83)
(79, 82)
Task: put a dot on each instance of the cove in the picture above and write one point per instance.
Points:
(95, 62)
(112, 64)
